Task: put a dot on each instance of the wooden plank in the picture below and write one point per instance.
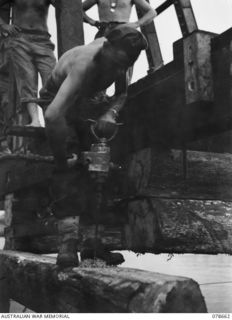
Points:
(179, 98)
(69, 24)
(185, 16)
(26, 131)
(20, 171)
(209, 175)
(157, 121)
(163, 210)
(155, 225)
(43, 235)
(156, 193)
(179, 226)
(169, 213)
(154, 55)
(37, 283)
(222, 74)
(198, 67)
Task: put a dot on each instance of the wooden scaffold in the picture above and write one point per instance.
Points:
(172, 195)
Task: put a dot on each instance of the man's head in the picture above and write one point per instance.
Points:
(128, 40)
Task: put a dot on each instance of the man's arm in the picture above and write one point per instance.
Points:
(2, 2)
(86, 5)
(68, 92)
(55, 123)
(117, 103)
(149, 14)
(6, 28)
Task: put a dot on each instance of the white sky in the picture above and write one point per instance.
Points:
(211, 15)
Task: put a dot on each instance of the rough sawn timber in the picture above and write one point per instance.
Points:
(36, 282)
(69, 24)
(154, 225)
(172, 213)
(161, 210)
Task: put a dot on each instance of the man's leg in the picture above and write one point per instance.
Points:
(44, 57)
(67, 208)
(33, 112)
(57, 131)
(68, 229)
(25, 73)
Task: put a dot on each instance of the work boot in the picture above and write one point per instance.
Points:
(68, 229)
(96, 250)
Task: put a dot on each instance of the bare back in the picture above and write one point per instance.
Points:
(121, 11)
(79, 58)
(31, 14)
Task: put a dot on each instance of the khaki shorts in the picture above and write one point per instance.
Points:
(30, 54)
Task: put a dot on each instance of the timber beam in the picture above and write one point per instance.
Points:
(154, 55)
(187, 100)
(36, 282)
(185, 16)
(171, 203)
(18, 171)
(155, 225)
(26, 131)
(69, 24)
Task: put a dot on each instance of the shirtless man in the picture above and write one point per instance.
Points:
(83, 71)
(29, 49)
(80, 73)
(114, 12)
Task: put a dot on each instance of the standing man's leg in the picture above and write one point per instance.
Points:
(25, 73)
(45, 60)
(43, 51)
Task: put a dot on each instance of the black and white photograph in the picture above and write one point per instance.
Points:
(115, 158)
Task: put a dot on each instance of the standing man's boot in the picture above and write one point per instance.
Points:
(68, 229)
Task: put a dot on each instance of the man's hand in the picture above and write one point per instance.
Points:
(106, 124)
(10, 29)
(95, 23)
(71, 162)
(91, 21)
